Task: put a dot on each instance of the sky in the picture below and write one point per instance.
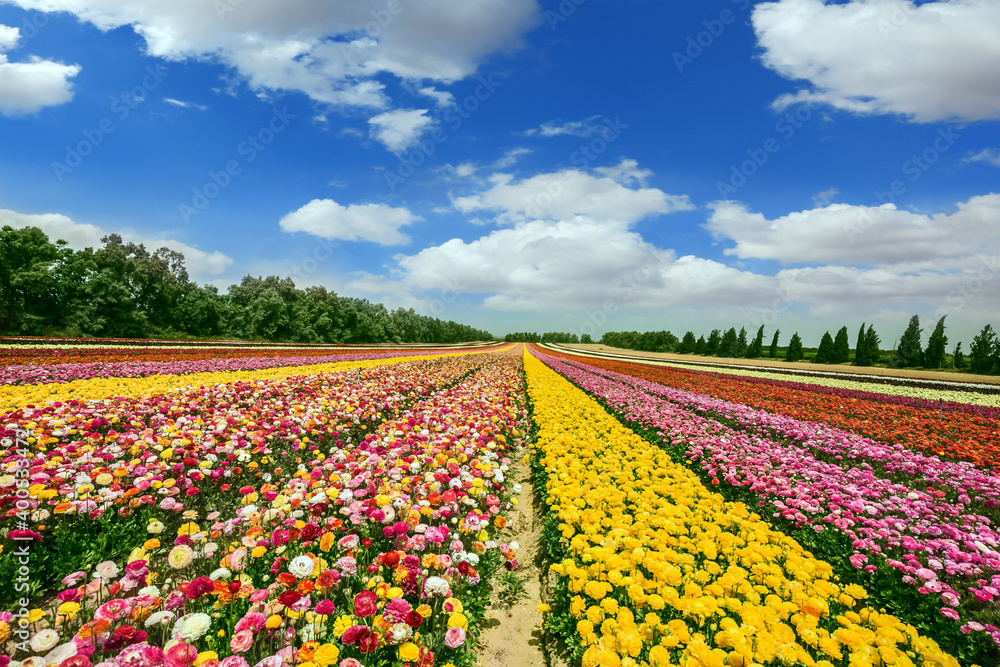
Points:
(540, 165)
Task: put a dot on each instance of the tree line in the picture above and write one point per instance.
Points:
(983, 354)
(123, 290)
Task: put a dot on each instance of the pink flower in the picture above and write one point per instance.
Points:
(948, 612)
(252, 621)
(140, 655)
(241, 641)
(364, 604)
(181, 655)
(454, 638)
(233, 661)
(350, 662)
(396, 610)
(925, 574)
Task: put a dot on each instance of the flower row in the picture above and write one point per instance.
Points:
(970, 437)
(358, 551)
(938, 547)
(659, 570)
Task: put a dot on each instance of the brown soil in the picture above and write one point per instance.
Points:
(946, 376)
(513, 636)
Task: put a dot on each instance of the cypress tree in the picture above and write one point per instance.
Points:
(687, 344)
(741, 343)
(841, 348)
(981, 351)
(701, 347)
(824, 354)
(714, 338)
(960, 362)
(727, 347)
(794, 348)
(861, 356)
(872, 351)
(756, 348)
(934, 354)
(909, 352)
(773, 352)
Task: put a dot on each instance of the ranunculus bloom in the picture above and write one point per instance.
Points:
(364, 604)
(454, 638)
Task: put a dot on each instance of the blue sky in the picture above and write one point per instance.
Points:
(582, 165)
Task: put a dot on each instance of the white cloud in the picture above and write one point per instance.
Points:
(28, 86)
(932, 62)
(825, 197)
(569, 193)
(843, 234)
(331, 51)
(327, 219)
(987, 155)
(400, 129)
(577, 128)
(510, 158)
(185, 105)
(441, 98)
(79, 235)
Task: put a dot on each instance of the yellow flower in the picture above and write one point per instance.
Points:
(458, 620)
(273, 622)
(424, 610)
(341, 625)
(325, 655)
(543, 608)
(408, 652)
(205, 655)
(69, 608)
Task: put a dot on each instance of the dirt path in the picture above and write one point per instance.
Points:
(514, 636)
(947, 376)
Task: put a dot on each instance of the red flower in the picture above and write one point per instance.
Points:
(288, 598)
(368, 643)
(325, 608)
(413, 619)
(364, 604)
(391, 558)
(199, 587)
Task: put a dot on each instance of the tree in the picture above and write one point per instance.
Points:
(714, 340)
(794, 352)
(741, 343)
(773, 351)
(756, 348)
(701, 347)
(861, 356)
(727, 346)
(982, 351)
(960, 361)
(909, 352)
(585, 338)
(874, 354)
(687, 343)
(841, 348)
(934, 354)
(824, 354)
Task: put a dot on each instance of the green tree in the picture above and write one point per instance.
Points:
(982, 351)
(794, 352)
(841, 353)
(872, 351)
(714, 340)
(824, 354)
(741, 343)
(909, 352)
(934, 354)
(960, 361)
(773, 351)
(585, 338)
(701, 347)
(756, 348)
(727, 346)
(861, 357)
(29, 290)
(687, 344)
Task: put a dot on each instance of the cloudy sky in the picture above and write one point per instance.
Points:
(579, 165)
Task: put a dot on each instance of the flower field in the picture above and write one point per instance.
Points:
(344, 515)
(268, 507)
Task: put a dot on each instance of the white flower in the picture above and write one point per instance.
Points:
(517, 488)
(436, 586)
(60, 653)
(107, 570)
(221, 573)
(159, 618)
(155, 527)
(301, 566)
(149, 590)
(192, 627)
(44, 640)
(514, 545)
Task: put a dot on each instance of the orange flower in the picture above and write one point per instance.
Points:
(98, 626)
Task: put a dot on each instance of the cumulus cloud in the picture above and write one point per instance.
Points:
(327, 219)
(929, 62)
(400, 129)
(331, 51)
(577, 128)
(604, 196)
(843, 234)
(31, 85)
(79, 235)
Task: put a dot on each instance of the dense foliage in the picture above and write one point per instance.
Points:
(122, 289)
